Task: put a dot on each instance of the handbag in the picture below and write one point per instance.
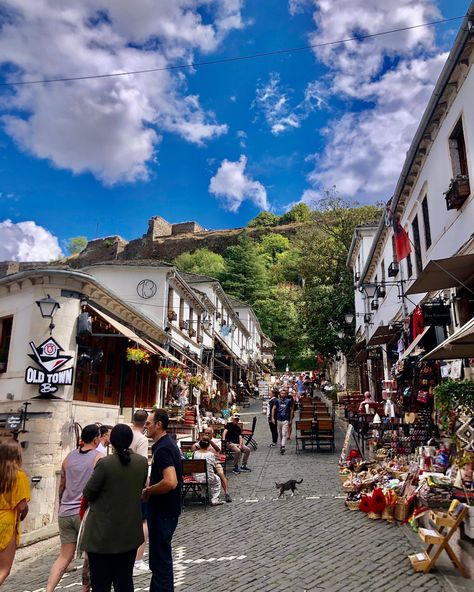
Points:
(422, 397)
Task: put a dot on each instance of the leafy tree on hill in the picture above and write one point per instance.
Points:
(280, 317)
(328, 292)
(264, 219)
(76, 245)
(202, 261)
(246, 276)
(274, 244)
(301, 212)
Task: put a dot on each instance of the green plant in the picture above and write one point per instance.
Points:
(196, 382)
(453, 398)
(137, 355)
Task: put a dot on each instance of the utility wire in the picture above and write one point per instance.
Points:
(231, 59)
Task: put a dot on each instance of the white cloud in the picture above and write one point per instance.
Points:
(233, 186)
(110, 127)
(26, 241)
(390, 76)
(275, 104)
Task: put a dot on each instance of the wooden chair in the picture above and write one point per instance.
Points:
(199, 489)
(187, 446)
(247, 435)
(325, 433)
(304, 434)
(445, 525)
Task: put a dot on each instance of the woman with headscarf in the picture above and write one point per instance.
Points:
(113, 529)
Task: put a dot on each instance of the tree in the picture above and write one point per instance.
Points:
(264, 219)
(203, 262)
(280, 317)
(301, 212)
(274, 244)
(76, 245)
(245, 277)
(328, 291)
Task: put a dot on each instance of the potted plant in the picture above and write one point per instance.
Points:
(137, 355)
(196, 382)
(452, 399)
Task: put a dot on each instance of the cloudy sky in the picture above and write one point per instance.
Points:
(213, 143)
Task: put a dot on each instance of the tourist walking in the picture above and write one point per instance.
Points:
(164, 501)
(282, 414)
(273, 428)
(14, 498)
(113, 527)
(76, 470)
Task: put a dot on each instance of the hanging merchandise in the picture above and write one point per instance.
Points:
(417, 323)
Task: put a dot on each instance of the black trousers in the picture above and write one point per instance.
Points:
(274, 431)
(109, 569)
(160, 534)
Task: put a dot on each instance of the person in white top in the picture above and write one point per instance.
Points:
(215, 448)
(104, 439)
(139, 445)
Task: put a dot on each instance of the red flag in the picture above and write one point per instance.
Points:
(402, 241)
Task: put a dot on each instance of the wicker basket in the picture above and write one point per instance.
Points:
(344, 477)
(352, 505)
(388, 513)
(351, 487)
(374, 516)
(402, 510)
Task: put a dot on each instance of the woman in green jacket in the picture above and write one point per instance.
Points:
(113, 529)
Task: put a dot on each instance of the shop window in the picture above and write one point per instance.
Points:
(5, 337)
(457, 151)
(417, 244)
(426, 222)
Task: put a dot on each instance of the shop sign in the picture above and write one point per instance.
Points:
(13, 422)
(51, 373)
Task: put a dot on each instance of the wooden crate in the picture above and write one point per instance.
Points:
(420, 561)
(430, 536)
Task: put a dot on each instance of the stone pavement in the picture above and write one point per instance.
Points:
(306, 543)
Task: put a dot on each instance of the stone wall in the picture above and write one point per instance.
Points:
(158, 227)
(186, 227)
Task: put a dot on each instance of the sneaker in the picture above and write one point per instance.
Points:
(245, 468)
(236, 470)
(227, 498)
(140, 566)
(272, 445)
(217, 503)
(282, 450)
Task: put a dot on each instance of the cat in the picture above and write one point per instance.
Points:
(287, 485)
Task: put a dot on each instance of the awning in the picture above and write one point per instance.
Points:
(163, 353)
(458, 345)
(411, 348)
(383, 334)
(192, 360)
(123, 330)
(444, 273)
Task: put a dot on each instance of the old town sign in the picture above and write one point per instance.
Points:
(51, 373)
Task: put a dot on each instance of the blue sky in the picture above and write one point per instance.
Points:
(215, 144)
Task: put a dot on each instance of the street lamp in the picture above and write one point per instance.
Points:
(48, 307)
(349, 317)
(369, 290)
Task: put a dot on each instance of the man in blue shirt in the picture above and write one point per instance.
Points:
(281, 415)
(164, 501)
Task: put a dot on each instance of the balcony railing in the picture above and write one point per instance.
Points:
(458, 191)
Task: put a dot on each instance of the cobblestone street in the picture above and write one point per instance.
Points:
(258, 543)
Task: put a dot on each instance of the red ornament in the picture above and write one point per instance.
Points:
(364, 504)
(377, 501)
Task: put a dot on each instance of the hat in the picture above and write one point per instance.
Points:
(235, 416)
